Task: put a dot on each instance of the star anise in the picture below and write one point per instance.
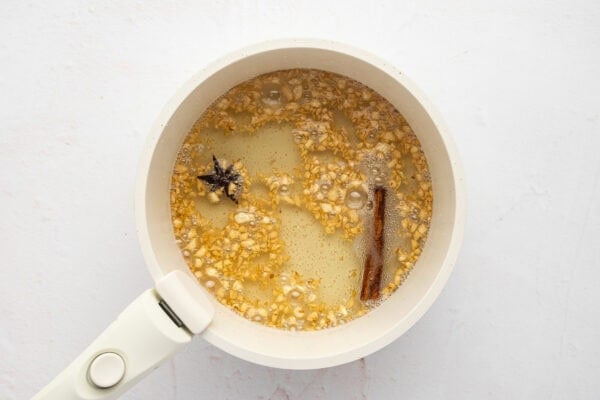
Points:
(228, 179)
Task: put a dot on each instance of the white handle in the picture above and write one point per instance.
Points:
(148, 332)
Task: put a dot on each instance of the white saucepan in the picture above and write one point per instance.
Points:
(165, 318)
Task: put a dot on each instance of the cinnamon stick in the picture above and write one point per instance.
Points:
(374, 261)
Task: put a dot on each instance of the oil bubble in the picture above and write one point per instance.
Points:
(356, 198)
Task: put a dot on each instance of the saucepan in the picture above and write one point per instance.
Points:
(165, 318)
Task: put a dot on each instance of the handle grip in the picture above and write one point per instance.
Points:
(146, 334)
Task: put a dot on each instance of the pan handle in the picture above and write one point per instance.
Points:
(147, 333)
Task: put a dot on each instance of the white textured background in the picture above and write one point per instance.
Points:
(518, 83)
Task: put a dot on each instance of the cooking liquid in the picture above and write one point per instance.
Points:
(309, 147)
